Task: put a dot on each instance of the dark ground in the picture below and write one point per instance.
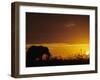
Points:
(58, 62)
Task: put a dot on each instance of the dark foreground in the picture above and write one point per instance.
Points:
(57, 62)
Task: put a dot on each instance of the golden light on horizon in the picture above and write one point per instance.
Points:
(66, 51)
(87, 53)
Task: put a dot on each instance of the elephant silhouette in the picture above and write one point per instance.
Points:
(36, 53)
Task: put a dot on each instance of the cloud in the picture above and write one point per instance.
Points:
(70, 25)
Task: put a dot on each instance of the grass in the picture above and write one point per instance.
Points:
(58, 62)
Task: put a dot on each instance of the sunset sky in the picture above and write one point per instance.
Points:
(57, 28)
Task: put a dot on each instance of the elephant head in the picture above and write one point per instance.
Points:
(37, 53)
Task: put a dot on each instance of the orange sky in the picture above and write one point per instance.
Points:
(57, 28)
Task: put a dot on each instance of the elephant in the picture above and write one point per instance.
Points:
(35, 53)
